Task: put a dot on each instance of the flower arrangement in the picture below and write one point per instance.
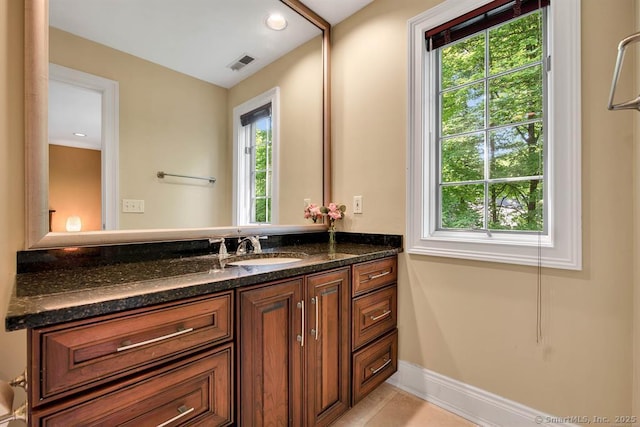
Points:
(313, 211)
(333, 212)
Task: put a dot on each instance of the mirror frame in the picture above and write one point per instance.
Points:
(37, 157)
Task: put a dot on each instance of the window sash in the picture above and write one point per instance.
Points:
(487, 128)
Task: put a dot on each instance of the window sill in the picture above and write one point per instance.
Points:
(530, 251)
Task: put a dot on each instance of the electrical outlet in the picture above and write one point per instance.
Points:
(132, 206)
(357, 204)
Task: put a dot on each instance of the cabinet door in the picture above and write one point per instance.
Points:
(271, 345)
(328, 348)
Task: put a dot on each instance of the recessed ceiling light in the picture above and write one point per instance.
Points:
(277, 22)
(79, 134)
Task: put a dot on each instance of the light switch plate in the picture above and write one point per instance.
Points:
(132, 206)
(357, 204)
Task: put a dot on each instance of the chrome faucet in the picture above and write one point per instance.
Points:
(242, 245)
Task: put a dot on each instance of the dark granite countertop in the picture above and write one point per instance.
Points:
(49, 295)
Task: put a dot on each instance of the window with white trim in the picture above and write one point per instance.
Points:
(494, 137)
(255, 160)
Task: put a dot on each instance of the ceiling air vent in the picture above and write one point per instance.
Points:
(240, 63)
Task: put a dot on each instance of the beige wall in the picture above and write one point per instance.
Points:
(476, 321)
(168, 122)
(636, 240)
(12, 345)
(299, 77)
(75, 187)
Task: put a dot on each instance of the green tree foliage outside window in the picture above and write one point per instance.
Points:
(491, 139)
(262, 172)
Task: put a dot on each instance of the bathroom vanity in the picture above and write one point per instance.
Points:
(187, 340)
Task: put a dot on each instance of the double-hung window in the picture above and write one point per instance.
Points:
(494, 157)
(255, 164)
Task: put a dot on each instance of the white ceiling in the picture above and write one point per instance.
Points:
(74, 109)
(200, 38)
(336, 11)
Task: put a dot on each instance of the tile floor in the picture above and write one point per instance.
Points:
(388, 406)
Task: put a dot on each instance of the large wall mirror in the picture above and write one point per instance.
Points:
(159, 103)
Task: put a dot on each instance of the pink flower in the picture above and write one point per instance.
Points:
(335, 211)
(312, 211)
(334, 214)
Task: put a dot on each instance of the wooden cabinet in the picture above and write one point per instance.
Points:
(307, 348)
(136, 367)
(294, 351)
(374, 332)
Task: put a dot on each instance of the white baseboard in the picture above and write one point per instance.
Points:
(471, 403)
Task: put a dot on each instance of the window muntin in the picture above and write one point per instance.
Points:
(491, 148)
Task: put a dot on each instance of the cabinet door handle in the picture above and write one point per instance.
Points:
(380, 316)
(379, 275)
(315, 331)
(183, 412)
(384, 365)
(300, 337)
(164, 337)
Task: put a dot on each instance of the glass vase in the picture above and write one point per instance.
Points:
(332, 240)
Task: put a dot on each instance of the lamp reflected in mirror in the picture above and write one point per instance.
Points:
(74, 224)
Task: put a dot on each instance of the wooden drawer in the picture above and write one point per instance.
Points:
(373, 315)
(373, 275)
(374, 364)
(87, 353)
(196, 391)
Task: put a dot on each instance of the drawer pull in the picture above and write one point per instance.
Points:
(385, 314)
(300, 337)
(183, 411)
(164, 337)
(379, 275)
(384, 365)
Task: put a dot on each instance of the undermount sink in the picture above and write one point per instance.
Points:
(264, 259)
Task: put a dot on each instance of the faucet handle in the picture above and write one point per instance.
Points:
(223, 248)
(222, 252)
